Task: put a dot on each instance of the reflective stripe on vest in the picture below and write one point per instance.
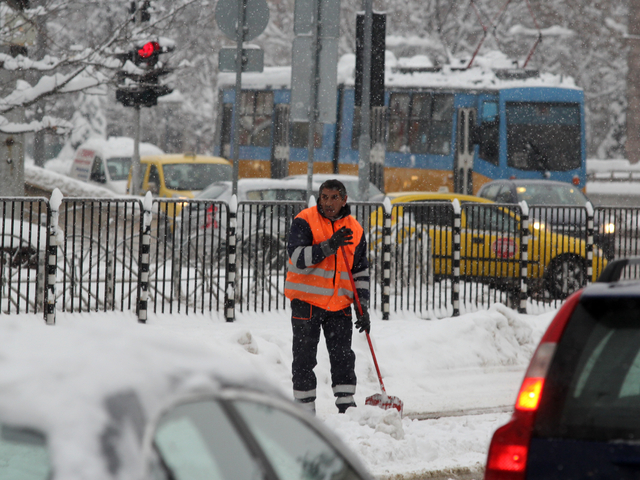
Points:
(320, 284)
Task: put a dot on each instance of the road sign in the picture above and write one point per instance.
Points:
(303, 56)
(304, 16)
(256, 18)
(252, 60)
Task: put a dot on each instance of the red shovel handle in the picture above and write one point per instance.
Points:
(357, 299)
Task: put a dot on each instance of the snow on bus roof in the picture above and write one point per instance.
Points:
(418, 71)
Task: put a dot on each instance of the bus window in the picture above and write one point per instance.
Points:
(441, 124)
(489, 133)
(398, 117)
(543, 136)
(420, 123)
(256, 110)
(299, 135)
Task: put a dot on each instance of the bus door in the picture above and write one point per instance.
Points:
(280, 144)
(225, 130)
(463, 165)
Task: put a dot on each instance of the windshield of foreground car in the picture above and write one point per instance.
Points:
(554, 194)
(194, 176)
(23, 454)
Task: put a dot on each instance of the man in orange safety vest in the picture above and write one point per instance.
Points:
(321, 293)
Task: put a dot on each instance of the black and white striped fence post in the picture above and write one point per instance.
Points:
(53, 239)
(455, 281)
(524, 256)
(230, 287)
(590, 215)
(143, 261)
(386, 259)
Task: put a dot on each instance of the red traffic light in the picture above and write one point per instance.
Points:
(149, 49)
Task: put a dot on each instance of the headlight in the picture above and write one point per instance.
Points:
(609, 228)
(537, 225)
(181, 197)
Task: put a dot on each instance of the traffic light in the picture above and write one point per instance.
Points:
(145, 16)
(378, 45)
(142, 88)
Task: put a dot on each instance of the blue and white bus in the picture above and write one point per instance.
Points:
(442, 129)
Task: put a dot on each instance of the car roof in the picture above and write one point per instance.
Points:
(117, 147)
(182, 158)
(60, 381)
(401, 197)
(249, 184)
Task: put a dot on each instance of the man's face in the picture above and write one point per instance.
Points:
(331, 202)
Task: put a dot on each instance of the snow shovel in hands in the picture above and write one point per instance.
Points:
(381, 400)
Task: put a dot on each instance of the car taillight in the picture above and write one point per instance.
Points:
(507, 458)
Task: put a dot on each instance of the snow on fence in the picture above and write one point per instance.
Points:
(432, 258)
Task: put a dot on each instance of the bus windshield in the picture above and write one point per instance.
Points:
(543, 136)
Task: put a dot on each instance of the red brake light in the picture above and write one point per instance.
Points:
(148, 49)
(512, 177)
(576, 181)
(509, 458)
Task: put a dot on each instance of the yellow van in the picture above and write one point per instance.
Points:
(176, 176)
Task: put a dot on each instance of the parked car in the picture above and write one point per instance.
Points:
(115, 400)
(577, 414)
(549, 197)
(107, 162)
(351, 183)
(180, 176)
(490, 242)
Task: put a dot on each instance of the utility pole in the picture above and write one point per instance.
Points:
(240, 34)
(134, 188)
(632, 145)
(364, 143)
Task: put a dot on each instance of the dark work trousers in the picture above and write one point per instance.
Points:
(307, 321)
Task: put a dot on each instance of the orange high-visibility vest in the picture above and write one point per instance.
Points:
(325, 284)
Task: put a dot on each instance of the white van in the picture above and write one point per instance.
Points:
(107, 162)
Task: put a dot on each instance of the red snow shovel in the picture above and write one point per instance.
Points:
(381, 400)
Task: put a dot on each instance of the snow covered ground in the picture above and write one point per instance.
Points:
(436, 367)
(440, 369)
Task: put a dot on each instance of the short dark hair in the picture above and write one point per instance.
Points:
(333, 184)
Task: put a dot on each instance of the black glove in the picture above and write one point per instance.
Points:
(363, 323)
(340, 238)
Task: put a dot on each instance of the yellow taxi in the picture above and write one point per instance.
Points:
(490, 241)
(180, 176)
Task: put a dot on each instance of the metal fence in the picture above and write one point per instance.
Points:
(435, 259)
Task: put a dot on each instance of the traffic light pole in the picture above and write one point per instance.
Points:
(242, 11)
(364, 143)
(313, 99)
(135, 160)
(134, 188)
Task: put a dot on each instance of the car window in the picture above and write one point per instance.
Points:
(119, 168)
(97, 171)
(198, 442)
(23, 454)
(551, 194)
(212, 192)
(294, 449)
(593, 386)
(430, 213)
(194, 176)
(490, 191)
(504, 195)
(484, 217)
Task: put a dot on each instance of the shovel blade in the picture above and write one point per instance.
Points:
(385, 402)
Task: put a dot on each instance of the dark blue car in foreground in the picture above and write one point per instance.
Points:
(577, 415)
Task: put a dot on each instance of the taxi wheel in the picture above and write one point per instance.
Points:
(565, 275)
